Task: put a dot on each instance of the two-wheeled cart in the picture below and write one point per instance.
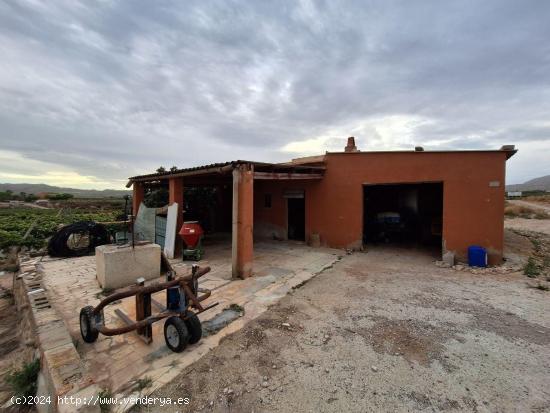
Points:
(182, 326)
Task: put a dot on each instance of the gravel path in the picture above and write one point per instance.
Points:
(537, 225)
(385, 330)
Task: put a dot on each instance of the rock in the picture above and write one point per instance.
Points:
(374, 368)
(449, 258)
(285, 325)
(274, 366)
(442, 264)
(327, 370)
(265, 384)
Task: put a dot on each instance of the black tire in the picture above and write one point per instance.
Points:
(97, 235)
(176, 334)
(87, 329)
(194, 327)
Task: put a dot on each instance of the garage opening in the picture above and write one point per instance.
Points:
(406, 214)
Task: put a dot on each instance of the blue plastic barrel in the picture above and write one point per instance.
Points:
(173, 298)
(477, 256)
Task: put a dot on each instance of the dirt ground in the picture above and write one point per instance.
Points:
(537, 225)
(541, 202)
(384, 330)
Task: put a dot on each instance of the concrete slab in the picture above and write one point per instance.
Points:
(115, 363)
(120, 266)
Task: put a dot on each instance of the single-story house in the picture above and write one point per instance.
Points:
(350, 198)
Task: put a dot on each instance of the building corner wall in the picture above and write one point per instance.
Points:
(242, 253)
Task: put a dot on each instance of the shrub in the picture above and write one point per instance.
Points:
(514, 211)
(14, 223)
(23, 381)
(142, 384)
(105, 399)
(59, 197)
(531, 269)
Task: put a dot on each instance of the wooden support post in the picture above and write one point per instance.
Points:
(143, 310)
(138, 194)
(175, 194)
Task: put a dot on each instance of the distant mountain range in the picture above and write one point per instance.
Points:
(78, 193)
(540, 184)
(537, 184)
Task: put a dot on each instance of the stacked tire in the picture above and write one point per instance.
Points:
(58, 246)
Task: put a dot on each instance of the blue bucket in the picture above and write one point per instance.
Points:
(477, 256)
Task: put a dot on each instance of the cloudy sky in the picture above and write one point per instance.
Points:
(94, 92)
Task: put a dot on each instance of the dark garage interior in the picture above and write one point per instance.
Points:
(409, 214)
(296, 219)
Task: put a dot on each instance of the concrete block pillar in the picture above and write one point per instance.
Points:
(175, 194)
(243, 219)
(138, 194)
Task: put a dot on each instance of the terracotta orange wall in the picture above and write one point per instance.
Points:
(137, 197)
(273, 221)
(473, 211)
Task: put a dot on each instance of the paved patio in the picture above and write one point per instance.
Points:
(116, 363)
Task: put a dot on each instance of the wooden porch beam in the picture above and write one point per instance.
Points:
(285, 176)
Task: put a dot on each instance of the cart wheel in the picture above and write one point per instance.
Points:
(194, 327)
(87, 328)
(176, 334)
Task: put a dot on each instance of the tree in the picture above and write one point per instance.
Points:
(161, 169)
(155, 198)
(173, 169)
(59, 197)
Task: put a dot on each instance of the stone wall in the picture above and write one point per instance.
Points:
(62, 371)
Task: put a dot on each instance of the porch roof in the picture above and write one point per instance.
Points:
(262, 170)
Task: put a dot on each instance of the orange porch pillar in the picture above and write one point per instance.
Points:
(138, 193)
(175, 194)
(242, 246)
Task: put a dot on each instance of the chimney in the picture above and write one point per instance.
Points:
(350, 147)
